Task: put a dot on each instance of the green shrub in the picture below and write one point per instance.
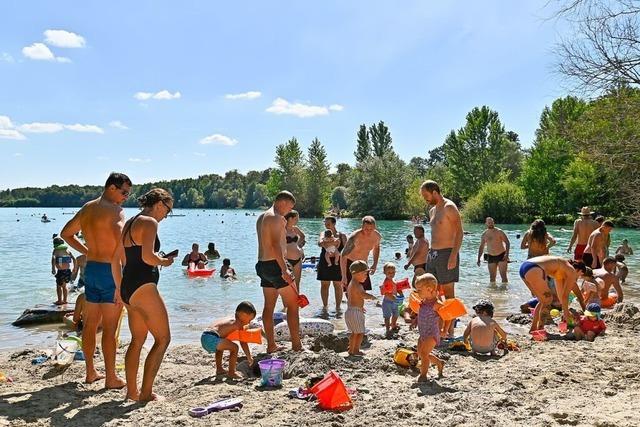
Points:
(503, 201)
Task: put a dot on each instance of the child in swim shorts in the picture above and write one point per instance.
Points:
(428, 323)
(214, 338)
(61, 259)
(390, 300)
(354, 316)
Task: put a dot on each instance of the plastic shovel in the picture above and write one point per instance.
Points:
(218, 405)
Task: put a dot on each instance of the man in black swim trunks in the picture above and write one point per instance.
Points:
(497, 255)
(276, 279)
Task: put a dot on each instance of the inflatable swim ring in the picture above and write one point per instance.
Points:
(202, 272)
(312, 327)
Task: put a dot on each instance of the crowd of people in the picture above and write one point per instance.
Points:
(119, 264)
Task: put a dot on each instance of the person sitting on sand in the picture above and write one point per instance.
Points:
(535, 271)
(590, 325)
(591, 287)
(78, 312)
(226, 271)
(354, 316)
(211, 252)
(610, 280)
(624, 248)
(428, 323)
(214, 338)
(482, 331)
(622, 271)
(61, 259)
(389, 301)
(194, 257)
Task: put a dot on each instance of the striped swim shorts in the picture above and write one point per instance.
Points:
(354, 318)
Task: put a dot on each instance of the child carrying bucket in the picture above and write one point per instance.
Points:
(428, 323)
(354, 316)
(215, 338)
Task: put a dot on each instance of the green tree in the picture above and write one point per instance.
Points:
(317, 180)
(291, 170)
(580, 182)
(339, 197)
(381, 142)
(363, 147)
(559, 120)
(343, 172)
(477, 153)
(503, 201)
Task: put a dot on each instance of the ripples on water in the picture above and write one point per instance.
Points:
(26, 280)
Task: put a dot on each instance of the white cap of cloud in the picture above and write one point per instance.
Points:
(11, 134)
(40, 52)
(282, 106)
(62, 38)
(7, 58)
(218, 139)
(84, 128)
(245, 95)
(118, 125)
(38, 127)
(163, 95)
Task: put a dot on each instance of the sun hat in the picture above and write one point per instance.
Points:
(358, 267)
(593, 310)
(586, 211)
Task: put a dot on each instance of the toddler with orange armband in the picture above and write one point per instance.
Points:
(217, 338)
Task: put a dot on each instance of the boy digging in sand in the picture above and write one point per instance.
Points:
(428, 323)
(484, 332)
(214, 338)
(354, 316)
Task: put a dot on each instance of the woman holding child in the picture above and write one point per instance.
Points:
(330, 273)
(137, 287)
(535, 271)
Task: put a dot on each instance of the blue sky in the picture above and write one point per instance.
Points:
(164, 89)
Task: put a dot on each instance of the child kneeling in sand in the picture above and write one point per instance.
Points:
(214, 338)
(354, 316)
(590, 325)
(428, 323)
(484, 332)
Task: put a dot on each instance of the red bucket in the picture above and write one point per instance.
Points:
(331, 392)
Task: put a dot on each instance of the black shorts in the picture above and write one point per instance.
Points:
(588, 260)
(494, 259)
(63, 276)
(270, 274)
(437, 264)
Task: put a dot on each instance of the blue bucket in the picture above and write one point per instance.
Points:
(271, 371)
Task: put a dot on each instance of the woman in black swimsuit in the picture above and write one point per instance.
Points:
(137, 284)
(295, 241)
(326, 273)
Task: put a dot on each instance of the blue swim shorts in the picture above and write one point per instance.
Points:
(210, 341)
(389, 308)
(99, 285)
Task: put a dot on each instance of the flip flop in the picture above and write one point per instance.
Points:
(218, 405)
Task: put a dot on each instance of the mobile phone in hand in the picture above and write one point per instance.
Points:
(172, 254)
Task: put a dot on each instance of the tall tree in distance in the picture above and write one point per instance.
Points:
(290, 172)
(380, 139)
(363, 148)
(317, 181)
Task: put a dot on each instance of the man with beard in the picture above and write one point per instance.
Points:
(497, 254)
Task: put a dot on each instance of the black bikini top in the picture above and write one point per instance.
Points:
(292, 239)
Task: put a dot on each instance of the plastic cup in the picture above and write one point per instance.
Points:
(562, 327)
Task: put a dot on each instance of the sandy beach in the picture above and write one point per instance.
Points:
(546, 383)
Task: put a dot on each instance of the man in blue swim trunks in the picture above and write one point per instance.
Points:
(101, 221)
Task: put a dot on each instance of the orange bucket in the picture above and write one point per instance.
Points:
(331, 392)
(414, 302)
(248, 335)
(451, 309)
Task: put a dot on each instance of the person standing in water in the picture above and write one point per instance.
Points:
(443, 260)
(582, 229)
(497, 254)
(328, 274)
(536, 240)
(360, 244)
(61, 260)
(137, 284)
(419, 250)
(101, 222)
(275, 278)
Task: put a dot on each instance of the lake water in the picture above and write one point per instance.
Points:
(26, 280)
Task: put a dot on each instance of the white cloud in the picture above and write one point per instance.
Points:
(245, 95)
(11, 134)
(5, 123)
(84, 128)
(162, 95)
(138, 160)
(282, 106)
(199, 154)
(118, 125)
(7, 58)
(40, 52)
(38, 127)
(218, 139)
(62, 38)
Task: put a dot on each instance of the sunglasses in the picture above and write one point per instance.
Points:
(166, 206)
(124, 193)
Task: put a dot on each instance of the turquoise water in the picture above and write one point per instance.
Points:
(26, 280)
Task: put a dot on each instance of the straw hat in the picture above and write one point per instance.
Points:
(585, 211)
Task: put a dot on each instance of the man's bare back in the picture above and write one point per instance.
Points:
(583, 229)
(270, 228)
(101, 223)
